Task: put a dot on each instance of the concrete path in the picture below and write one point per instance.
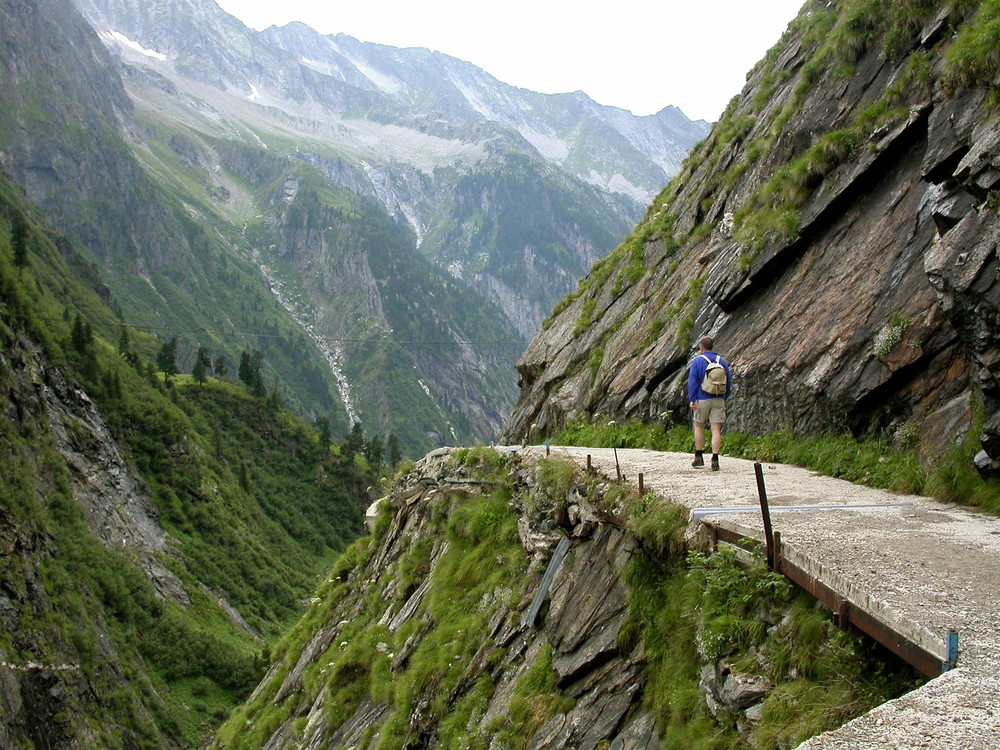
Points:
(925, 568)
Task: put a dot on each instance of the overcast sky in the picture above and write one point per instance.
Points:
(640, 55)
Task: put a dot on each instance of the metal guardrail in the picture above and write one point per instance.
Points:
(846, 613)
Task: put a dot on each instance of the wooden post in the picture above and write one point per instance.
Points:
(590, 466)
(618, 468)
(641, 489)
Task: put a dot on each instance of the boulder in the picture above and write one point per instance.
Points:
(741, 690)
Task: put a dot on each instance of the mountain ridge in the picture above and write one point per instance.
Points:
(199, 82)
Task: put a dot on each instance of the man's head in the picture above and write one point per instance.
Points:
(706, 343)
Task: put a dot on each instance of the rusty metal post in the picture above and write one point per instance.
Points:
(641, 489)
(842, 615)
(590, 466)
(777, 551)
(765, 514)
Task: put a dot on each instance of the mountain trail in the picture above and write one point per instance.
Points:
(923, 566)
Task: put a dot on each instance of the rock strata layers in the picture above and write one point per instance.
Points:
(836, 235)
(600, 684)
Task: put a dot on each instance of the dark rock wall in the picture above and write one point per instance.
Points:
(876, 315)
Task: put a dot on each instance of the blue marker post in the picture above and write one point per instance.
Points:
(952, 659)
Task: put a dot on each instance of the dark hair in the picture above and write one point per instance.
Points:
(706, 341)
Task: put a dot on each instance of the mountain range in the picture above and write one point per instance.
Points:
(387, 226)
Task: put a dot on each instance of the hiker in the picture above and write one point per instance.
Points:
(709, 383)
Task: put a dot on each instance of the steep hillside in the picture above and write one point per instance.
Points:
(155, 535)
(168, 266)
(833, 234)
(506, 601)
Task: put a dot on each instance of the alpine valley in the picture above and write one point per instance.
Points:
(244, 275)
(345, 245)
(386, 226)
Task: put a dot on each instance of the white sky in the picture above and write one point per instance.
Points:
(640, 55)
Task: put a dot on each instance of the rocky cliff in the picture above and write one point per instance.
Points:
(46, 679)
(506, 600)
(431, 629)
(834, 234)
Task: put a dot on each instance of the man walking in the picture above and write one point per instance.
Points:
(709, 384)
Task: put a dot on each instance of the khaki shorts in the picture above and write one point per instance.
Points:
(712, 410)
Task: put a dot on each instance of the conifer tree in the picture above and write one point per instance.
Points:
(82, 335)
(274, 397)
(249, 372)
(355, 442)
(374, 452)
(19, 242)
(166, 359)
(395, 454)
(323, 425)
(221, 368)
(202, 364)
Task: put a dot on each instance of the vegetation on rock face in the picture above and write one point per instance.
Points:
(478, 569)
(701, 619)
(135, 643)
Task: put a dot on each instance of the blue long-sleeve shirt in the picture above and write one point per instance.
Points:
(696, 374)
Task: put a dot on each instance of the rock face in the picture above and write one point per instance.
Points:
(835, 234)
(573, 643)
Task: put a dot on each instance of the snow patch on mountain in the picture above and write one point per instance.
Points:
(621, 184)
(318, 66)
(117, 36)
(396, 143)
(618, 183)
(548, 145)
(474, 99)
(383, 82)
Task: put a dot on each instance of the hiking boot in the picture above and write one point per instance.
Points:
(699, 460)
(715, 463)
